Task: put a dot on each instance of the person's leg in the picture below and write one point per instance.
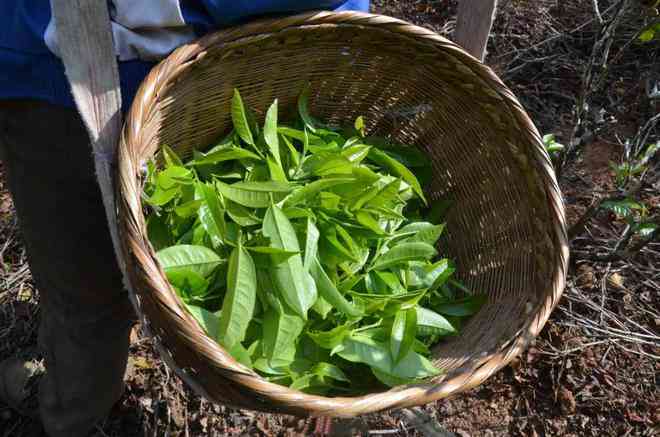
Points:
(86, 314)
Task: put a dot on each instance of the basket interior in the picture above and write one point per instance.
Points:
(409, 91)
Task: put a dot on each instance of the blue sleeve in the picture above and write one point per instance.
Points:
(230, 12)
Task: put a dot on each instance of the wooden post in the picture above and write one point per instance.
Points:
(473, 24)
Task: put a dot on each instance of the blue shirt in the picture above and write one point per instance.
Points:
(143, 31)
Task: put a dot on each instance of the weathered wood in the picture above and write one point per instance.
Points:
(473, 24)
(85, 45)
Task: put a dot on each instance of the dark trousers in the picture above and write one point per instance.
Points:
(85, 312)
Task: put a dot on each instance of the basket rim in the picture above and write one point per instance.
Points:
(284, 399)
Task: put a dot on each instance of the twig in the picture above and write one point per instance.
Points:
(643, 133)
(532, 61)
(552, 38)
(602, 47)
(597, 12)
(603, 288)
(100, 430)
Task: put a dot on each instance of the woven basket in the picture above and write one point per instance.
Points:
(506, 231)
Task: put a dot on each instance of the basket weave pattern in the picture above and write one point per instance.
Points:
(506, 231)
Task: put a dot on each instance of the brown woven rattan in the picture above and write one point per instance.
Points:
(506, 231)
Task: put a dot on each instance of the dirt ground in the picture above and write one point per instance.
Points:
(594, 369)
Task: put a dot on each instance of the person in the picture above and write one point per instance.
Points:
(86, 316)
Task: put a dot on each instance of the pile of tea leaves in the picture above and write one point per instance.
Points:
(308, 252)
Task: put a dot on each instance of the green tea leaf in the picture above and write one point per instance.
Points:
(438, 273)
(369, 222)
(356, 153)
(161, 197)
(171, 158)
(188, 209)
(199, 259)
(433, 276)
(391, 380)
(430, 319)
(329, 200)
(363, 197)
(350, 243)
(310, 191)
(404, 252)
(464, 307)
(206, 319)
(398, 169)
(276, 171)
(241, 215)
(311, 243)
(262, 365)
(239, 118)
(322, 307)
(359, 348)
(270, 132)
(329, 292)
(389, 281)
(188, 280)
(327, 370)
(289, 275)
(332, 166)
(330, 339)
(414, 366)
(266, 291)
(403, 333)
(211, 214)
(173, 176)
(359, 125)
(159, 232)
(254, 194)
(421, 231)
(281, 329)
(303, 110)
(241, 355)
(240, 298)
(222, 155)
(276, 255)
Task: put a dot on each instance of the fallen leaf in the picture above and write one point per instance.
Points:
(140, 362)
(586, 277)
(567, 401)
(616, 280)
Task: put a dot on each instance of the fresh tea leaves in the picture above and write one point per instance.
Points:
(308, 252)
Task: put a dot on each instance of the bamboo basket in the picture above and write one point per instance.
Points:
(506, 233)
